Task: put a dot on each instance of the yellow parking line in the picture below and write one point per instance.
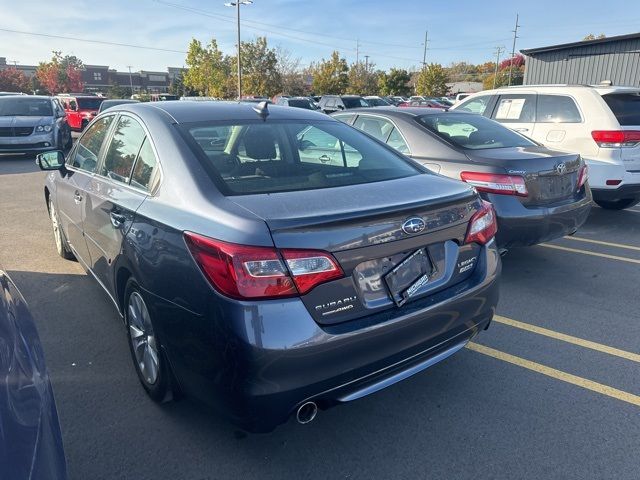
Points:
(634, 357)
(594, 254)
(606, 244)
(557, 374)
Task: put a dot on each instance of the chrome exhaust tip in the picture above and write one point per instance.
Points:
(306, 413)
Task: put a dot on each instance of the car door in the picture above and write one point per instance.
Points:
(71, 193)
(111, 199)
(516, 111)
(559, 124)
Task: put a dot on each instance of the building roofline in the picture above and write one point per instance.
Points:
(582, 43)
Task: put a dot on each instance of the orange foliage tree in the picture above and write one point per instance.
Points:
(61, 74)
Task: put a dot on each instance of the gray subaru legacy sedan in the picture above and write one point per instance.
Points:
(256, 274)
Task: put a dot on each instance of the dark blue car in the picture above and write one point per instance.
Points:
(30, 440)
(268, 260)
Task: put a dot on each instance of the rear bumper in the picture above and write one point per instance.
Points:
(520, 226)
(258, 362)
(623, 192)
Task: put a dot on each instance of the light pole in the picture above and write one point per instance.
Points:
(130, 79)
(237, 4)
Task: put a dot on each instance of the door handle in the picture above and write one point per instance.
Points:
(521, 129)
(324, 158)
(117, 219)
(77, 197)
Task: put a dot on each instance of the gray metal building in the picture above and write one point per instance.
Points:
(588, 62)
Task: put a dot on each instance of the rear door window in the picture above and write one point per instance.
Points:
(88, 150)
(515, 108)
(123, 150)
(376, 127)
(397, 141)
(625, 106)
(557, 109)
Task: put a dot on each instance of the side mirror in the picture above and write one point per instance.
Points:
(340, 107)
(53, 160)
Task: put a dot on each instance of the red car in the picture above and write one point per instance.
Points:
(80, 109)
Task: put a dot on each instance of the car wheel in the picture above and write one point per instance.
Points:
(83, 125)
(617, 204)
(62, 246)
(146, 350)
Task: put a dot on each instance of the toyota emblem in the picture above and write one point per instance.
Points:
(561, 168)
(413, 225)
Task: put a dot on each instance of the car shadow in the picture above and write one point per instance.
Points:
(17, 164)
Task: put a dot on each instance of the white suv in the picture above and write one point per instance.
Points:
(600, 123)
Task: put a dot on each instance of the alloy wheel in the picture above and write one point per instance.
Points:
(143, 339)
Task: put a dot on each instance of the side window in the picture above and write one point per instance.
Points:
(475, 105)
(145, 172)
(557, 109)
(396, 141)
(345, 117)
(123, 150)
(317, 146)
(73, 105)
(376, 127)
(331, 102)
(89, 145)
(515, 109)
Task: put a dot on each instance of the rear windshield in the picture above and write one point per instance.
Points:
(89, 103)
(25, 107)
(377, 102)
(352, 102)
(301, 103)
(473, 131)
(625, 106)
(277, 156)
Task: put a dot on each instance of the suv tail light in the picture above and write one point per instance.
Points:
(583, 175)
(483, 225)
(496, 183)
(245, 272)
(616, 138)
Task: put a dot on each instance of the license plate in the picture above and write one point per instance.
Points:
(407, 278)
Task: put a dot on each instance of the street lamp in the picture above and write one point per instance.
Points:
(237, 4)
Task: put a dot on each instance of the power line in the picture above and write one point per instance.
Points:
(101, 42)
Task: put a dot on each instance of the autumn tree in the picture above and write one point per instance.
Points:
(260, 74)
(396, 82)
(432, 81)
(209, 69)
(14, 80)
(331, 76)
(61, 74)
(363, 80)
(292, 78)
(591, 36)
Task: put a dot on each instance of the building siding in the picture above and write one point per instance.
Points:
(618, 61)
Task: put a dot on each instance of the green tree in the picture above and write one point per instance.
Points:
(178, 87)
(260, 75)
(330, 76)
(363, 80)
(432, 81)
(118, 91)
(396, 82)
(208, 69)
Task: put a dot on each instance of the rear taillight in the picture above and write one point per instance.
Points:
(616, 138)
(496, 183)
(583, 175)
(483, 225)
(245, 272)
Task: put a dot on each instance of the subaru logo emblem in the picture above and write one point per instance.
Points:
(561, 168)
(413, 225)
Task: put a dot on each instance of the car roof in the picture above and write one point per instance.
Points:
(188, 112)
(47, 97)
(400, 112)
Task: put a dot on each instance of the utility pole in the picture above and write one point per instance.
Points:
(499, 50)
(357, 51)
(237, 4)
(130, 79)
(366, 63)
(513, 48)
(424, 54)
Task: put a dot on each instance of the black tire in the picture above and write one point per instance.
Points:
(617, 204)
(62, 246)
(158, 386)
(83, 125)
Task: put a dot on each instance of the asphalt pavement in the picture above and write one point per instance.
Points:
(550, 391)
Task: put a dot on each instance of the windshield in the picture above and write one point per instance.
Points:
(25, 106)
(473, 131)
(257, 157)
(89, 103)
(354, 102)
(377, 102)
(301, 103)
(625, 106)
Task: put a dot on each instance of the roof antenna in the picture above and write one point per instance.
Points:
(262, 110)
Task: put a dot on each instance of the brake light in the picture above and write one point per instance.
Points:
(246, 272)
(496, 183)
(616, 138)
(483, 225)
(583, 176)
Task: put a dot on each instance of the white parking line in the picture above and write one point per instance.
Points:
(606, 244)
